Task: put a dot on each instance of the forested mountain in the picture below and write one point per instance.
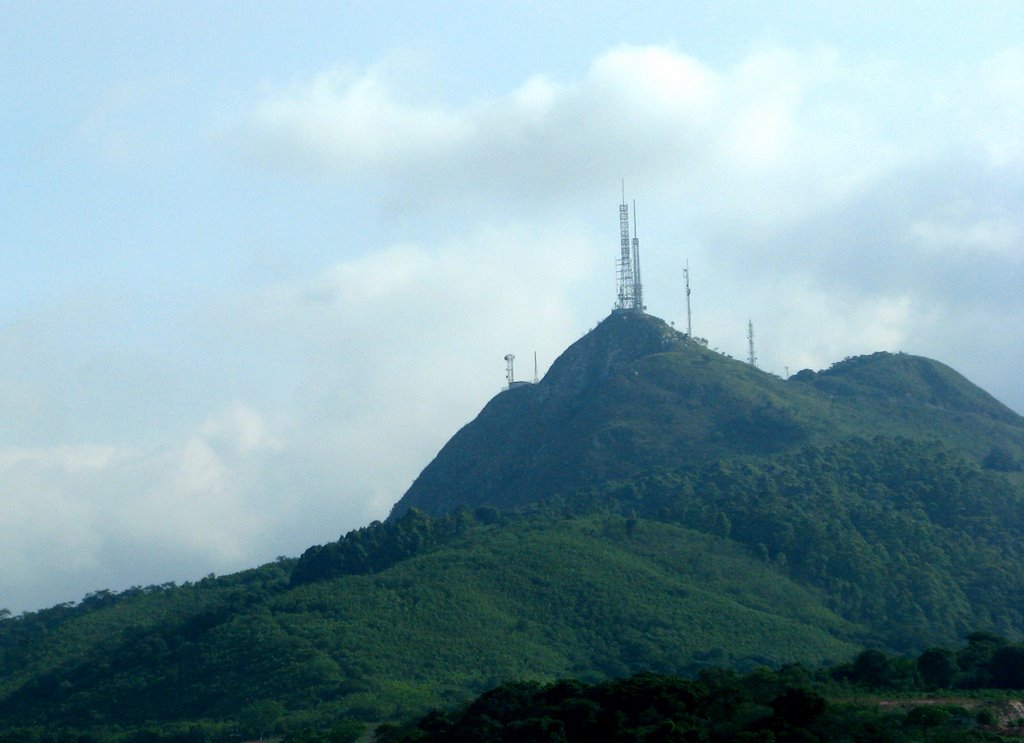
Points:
(633, 396)
(888, 481)
(650, 505)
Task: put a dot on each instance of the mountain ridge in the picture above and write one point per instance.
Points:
(600, 399)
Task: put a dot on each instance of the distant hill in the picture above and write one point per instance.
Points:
(902, 379)
(650, 505)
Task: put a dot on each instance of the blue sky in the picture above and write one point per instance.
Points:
(261, 260)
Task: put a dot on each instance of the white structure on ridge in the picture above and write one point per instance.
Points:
(510, 372)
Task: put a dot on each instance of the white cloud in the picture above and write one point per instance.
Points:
(648, 110)
(386, 355)
(995, 106)
(72, 512)
(969, 234)
(356, 123)
(401, 346)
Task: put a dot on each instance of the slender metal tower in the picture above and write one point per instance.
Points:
(630, 290)
(638, 287)
(750, 341)
(689, 317)
(509, 374)
(625, 267)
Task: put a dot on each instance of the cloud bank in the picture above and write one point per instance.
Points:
(374, 376)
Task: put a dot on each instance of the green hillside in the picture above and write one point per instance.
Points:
(650, 505)
(917, 543)
(888, 482)
(531, 598)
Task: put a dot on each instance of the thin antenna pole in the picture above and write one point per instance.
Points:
(750, 340)
(689, 317)
(535, 378)
(638, 287)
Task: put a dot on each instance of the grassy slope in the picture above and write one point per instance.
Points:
(535, 600)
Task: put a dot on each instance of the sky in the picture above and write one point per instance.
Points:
(260, 260)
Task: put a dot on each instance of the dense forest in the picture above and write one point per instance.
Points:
(909, 537)
(398, 617)
(973, 693)
(480, 599)
(874, 698)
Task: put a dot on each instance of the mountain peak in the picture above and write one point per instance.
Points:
(590, 419)
(634, 397)
(618, 340)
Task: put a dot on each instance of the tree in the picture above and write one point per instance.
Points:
(1000, 460)
(261, 717)
(797, 708)
(872, 668)
(1006, 668)
(937, 667)
(974, 659)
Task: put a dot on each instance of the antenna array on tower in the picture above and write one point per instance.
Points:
(509, 369)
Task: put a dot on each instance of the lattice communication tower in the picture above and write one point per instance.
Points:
(631, 293)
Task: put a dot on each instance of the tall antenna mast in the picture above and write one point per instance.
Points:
(750, 341)
(630, 290)
(689, 317)
(625, 267)
(535, 380)
(509, 373)
(638, 289)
